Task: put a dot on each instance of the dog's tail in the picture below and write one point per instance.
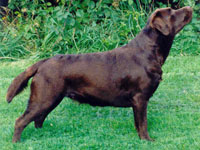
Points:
(20, 82)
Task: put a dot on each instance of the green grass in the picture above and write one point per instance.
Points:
(173, 116)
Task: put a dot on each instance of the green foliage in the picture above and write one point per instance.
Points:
(38, 29)
(42, 30)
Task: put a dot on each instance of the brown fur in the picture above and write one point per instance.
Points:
(124, 77)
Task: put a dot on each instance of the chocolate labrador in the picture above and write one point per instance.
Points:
(124, 77)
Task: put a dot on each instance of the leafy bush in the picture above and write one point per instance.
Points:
(38, 29)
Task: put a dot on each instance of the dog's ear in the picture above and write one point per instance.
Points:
(160, 22)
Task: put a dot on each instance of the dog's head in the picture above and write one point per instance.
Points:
(169, 21)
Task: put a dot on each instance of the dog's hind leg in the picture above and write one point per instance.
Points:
(22, 122)
(44, 98)
(40, 119)
(140, 116)
(34, 112)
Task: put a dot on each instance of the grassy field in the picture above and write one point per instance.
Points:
(173, 116)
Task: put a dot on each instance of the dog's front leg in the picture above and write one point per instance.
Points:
(140, 116)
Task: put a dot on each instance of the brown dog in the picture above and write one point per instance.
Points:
(123, 77)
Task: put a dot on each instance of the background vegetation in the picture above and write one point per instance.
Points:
(32, 30)
(41, 29)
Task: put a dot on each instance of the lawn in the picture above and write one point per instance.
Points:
(173, 116)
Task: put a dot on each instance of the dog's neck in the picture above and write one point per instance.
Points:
(155, 42)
